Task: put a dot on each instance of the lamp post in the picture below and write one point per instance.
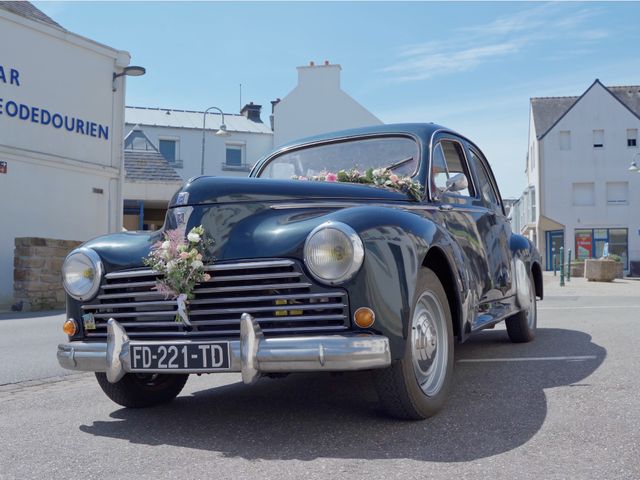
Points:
(132, 71)
(222, 132)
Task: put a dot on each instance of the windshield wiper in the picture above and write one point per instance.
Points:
(393, 166)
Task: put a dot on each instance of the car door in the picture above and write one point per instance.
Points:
(460, 212)
(496, 227)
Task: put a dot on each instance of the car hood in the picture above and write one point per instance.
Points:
(208, 190)
(247, 218)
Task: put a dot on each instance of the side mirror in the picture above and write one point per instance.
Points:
(456, 183)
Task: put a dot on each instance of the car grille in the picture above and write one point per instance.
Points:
(276, 293)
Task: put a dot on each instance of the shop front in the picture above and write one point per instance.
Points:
(593, 242)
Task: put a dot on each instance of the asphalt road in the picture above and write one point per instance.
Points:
(563, 406)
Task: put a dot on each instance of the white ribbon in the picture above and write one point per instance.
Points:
(182, 308)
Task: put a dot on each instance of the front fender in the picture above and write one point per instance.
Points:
(396, 243)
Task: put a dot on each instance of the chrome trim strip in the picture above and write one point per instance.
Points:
(102, 306)
(109, 296)
(249, 288)
(210, 301)
(205, 301)
(149, 283)
(209, 268)
(291, 206)
(313, 306)
(218, 311)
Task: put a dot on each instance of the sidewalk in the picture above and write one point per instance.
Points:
(620, 287)
(8, 315)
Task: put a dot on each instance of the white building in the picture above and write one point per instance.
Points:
(61, 133)
(581, 194)
(317, 105)
(178, 136)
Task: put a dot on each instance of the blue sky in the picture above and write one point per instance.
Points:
(469, 66)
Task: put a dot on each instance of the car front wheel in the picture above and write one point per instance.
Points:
(417, 386)
(142, 390)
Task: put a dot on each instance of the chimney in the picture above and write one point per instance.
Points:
(273, 109)
(252, 112)
(317, 76)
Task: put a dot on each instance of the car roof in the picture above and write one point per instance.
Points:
(423, 130)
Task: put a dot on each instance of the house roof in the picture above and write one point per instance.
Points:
(548, 111)
(167, 117)
(144, 163)
(28, 10)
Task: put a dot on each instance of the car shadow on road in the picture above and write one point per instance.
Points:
(494, 407)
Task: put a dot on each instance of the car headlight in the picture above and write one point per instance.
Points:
(333, 252)
(81, 273)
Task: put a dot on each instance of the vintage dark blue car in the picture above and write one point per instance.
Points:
(314, 276)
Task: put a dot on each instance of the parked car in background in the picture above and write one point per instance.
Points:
(373, 249)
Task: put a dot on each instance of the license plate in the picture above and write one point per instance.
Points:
(194, 356)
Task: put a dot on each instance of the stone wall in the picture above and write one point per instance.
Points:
(37, 265)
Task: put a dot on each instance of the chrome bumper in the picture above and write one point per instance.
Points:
(251, 355)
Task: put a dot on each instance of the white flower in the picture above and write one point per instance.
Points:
(193, 237)
(166, 244)
(197, 264)
(171, 264)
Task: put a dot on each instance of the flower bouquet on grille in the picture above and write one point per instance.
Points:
(178, 262)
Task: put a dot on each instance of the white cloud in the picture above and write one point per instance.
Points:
(469, 47)
(426, 65)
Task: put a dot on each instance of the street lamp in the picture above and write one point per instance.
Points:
(132, 71)
(222, 132)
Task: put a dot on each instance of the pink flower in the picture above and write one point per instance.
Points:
(394, 178)
(302, 177)
(199, 257)
(207, 277)
(184, 255)
(331, 177)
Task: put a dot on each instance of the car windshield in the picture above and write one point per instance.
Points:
(400, 154)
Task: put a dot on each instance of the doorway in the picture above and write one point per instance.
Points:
(555, 240)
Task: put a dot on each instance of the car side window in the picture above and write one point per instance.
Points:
(448, 161)
(484, 183)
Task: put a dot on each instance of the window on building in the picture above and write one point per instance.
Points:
(169, 149)
(234, 158)
(533, 158)
(619, 244)
(584, 194)
(532, 191)
(632, 137)
(565, 140)
(598, 138)
(617, 193)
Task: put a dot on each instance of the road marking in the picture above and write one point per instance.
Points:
(595, 307)
(527, 359)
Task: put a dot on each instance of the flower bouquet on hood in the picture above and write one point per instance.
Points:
(178, 263)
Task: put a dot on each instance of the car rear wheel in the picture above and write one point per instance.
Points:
(142, 390)
(521, 327)
(417, 386)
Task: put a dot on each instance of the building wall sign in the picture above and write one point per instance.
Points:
(42, 116)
